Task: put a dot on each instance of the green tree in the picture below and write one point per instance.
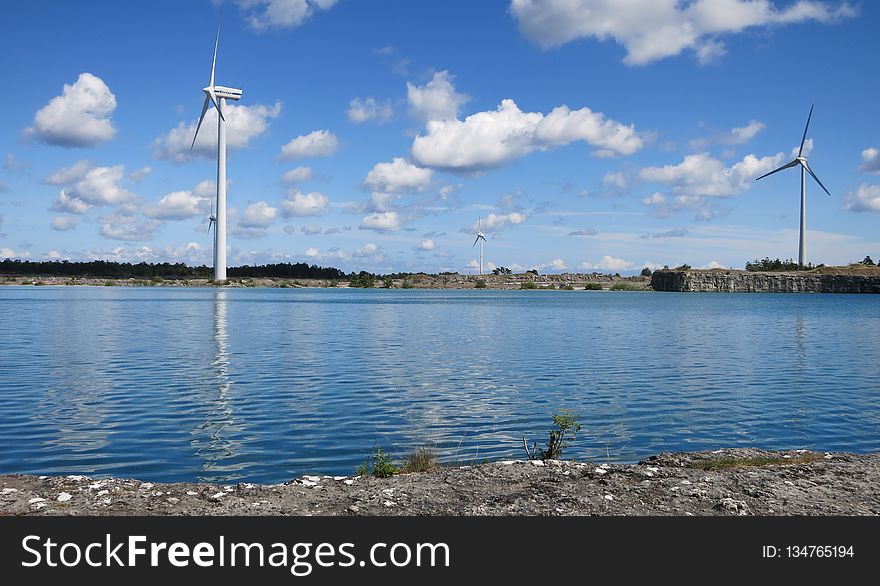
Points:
(646, 272)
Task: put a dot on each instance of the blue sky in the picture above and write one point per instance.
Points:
(591, 135)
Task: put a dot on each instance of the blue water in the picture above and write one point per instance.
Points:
(267, 384)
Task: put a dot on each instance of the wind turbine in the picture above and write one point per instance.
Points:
(217, 95)
(805, 168)
(481, 238)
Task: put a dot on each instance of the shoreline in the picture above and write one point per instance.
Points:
(729, 482)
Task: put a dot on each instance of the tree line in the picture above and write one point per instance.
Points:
(146, 270)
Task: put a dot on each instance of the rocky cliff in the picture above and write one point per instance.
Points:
(758, 282)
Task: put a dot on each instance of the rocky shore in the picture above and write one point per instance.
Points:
(843, 280)
(723, 482)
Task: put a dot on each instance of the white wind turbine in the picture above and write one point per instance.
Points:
(217, 95)
(805, 168)
(481, 238)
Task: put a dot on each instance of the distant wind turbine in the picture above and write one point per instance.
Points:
(481, 238)
(217, 95)
(805, 168)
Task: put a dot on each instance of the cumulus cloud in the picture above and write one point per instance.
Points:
(735, 136)
(368, 250)
(140, 174)
(425, 245)
(70, 204)
(436, 100)
(320, 143)
(486, 140)
(265, 15)
(10, 253)
(381, 222)
(258, 215)
(702, 175)
(243, 124)
(364, 110)
(298, 175)
(304, 204)
(85, 184)
(127, 228)
(397, 176)
(584, 232)
(870, 161)
(64, 223)
(651, 30)
(182, 205)
(497, 222)
(608, 263)
(866, 198)
(310, 230)
(615, 180)
(79, 117)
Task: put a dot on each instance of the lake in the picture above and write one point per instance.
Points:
(264, 385)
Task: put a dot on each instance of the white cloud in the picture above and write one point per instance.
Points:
(304, 204)
(320, 143)
(243, 124)
(127, 228)
(9, 253)
(616, 180)
(140, 174)
(870, 161)
(743, 134)
(89, 185)
(608, 263)
(368, 250)
(866, 198)
(79, 117)
(493, 138)
(557, 264)
(436, 100)
(312, 252)
(258, 215)
(496, 222)
(64, 223)
(584, 232)
(651, 30)
(298, 175)
(182, 205)
(702, 175)
(71, 204)
(310, 230)
(364, 110)
(381, 222)
(397, 176)
(277, 14)
(425, 245)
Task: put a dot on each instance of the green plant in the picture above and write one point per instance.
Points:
(407, 284)
(528, 285)
(567, 287)
(684, 267)
(646, 272)
(157, 279)
(625, 287)
(109, 283)
(593, 286)
(566, 421)
(382, 466)
(388, 282)
(421, 460)
(480, 284)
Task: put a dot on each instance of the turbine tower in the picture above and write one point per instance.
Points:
(805, 168)
(217, 95)
(481, 238)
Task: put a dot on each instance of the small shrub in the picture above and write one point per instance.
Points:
(407, 285)
(566, 421)
(157, 279)
(567, 287)
(593, 286)
(646, 272)
(382, 466)
(684, 267)
(421, 460)
(528, 285)
(39, 284)
(480, 284)
(109, 283)
(625, 287)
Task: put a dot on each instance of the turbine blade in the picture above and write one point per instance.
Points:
(202, 117)
(785, 166)
(801, 150)
(214, 60)
(475, 241)
(213, 97)
(813, 175)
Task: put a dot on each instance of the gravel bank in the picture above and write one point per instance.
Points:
(724, 482)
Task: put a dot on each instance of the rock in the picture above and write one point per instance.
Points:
(216, 497)
(609, 497)
(600, 471)
(64, 497)
(536, 462)
(146, 486)
(76, 477)
(8, 490)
